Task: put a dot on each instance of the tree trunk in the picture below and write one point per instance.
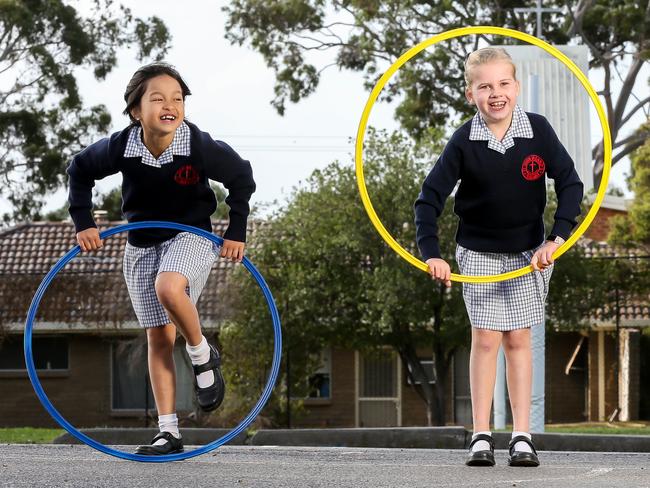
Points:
(434, 396)
(419, 380)
(438, 359)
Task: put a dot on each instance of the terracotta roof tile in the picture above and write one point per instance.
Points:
(631, 309)
(90, 288)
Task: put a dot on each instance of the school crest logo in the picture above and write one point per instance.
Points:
(533, 167)
(186, 175)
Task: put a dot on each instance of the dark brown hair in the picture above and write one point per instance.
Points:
(138, 85)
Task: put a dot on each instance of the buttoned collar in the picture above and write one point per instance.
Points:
(519, 127)
(180, 146)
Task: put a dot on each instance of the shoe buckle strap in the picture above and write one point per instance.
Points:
(168, 436)
(482, 437)
(521, 438)
(209, 366)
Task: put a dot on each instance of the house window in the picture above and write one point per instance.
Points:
(427, 365)
(378, 387)
(131, 389)
(50, 353)
(320, 381)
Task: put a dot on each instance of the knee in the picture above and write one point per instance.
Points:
(159, 341)
(513, 341)
(169, 292)
(485, 343)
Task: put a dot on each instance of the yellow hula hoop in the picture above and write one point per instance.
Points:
(450, 35)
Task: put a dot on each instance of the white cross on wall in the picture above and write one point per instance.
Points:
(539, 11)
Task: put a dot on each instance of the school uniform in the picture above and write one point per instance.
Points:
(174, 188)
(500, 203)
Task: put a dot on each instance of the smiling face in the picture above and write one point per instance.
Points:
(494, 90)
(162, 108)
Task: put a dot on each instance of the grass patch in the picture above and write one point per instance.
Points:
(28, 435)
(624, 428)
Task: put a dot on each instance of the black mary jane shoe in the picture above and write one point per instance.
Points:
(484, 457)
(210, 397)
(172, 446)
(521, 458)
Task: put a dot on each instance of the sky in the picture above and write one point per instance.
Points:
(231, 93)
(232, 89)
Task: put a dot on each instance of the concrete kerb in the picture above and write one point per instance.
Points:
(399, 437)
(443, 438)
(135, 436)
(406, 437)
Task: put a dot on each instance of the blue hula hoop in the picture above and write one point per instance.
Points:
(31, 369)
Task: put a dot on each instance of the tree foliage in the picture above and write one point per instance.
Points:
(111, 202)
(43, 120)
(223, 209)
(365, 36)
(634, 228)
(338, 284)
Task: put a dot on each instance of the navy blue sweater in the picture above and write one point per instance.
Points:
(501, 197)
(175, 192)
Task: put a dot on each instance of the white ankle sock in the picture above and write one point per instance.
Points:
(167, 423)
(521, 445)
(200, 354)
(481, 445)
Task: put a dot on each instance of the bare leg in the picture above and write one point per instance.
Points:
(162, 372)
(170, 289)
(482, 374)
(516, 346)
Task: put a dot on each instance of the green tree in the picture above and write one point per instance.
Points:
(43, 120)
(628, 275)
(634, 228)
(593, 280)
(111, 202)
(337, 283)
(366, 36)
(222, 211)
(577, 289)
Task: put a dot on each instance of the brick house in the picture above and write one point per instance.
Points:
(618, 377)
(85, 324)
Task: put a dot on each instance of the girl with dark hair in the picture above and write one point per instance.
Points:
(166, 163)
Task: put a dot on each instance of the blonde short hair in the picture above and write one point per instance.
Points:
(486, 55)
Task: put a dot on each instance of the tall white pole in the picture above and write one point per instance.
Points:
(538, 333)
(500, 401)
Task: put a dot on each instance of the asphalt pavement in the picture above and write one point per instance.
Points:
(47, 465)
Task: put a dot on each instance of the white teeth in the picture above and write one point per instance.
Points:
(167, 117)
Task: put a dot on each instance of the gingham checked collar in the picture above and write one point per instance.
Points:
(180, 146)
(519, 127)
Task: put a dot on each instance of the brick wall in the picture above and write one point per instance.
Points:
(644, 377)
(635, 373)
(611, 383)
(82, 395)
(414, 410)
(565, 394)
(599, 228)
(339, 410)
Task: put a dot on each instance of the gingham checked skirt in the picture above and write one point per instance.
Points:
(507, 305)
(186, 253)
